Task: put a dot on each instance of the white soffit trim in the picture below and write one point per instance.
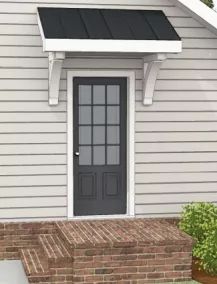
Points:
(199, 11)
(120, 46)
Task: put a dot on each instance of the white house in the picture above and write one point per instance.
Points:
(107, 108)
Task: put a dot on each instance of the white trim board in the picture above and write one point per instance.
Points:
(199, 11)
(130, 75)
(112, 46)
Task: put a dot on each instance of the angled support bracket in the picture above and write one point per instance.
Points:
(55, 68)
(152, 65)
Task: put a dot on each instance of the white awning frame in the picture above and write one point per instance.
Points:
(156, 51)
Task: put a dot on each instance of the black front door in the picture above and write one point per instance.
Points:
(100, 120)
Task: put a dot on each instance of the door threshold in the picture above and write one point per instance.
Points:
(101, 217)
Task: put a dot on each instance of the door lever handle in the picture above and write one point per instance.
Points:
(77, 154)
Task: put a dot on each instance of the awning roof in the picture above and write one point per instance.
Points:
(107, 31)
(78, 30)
(68, 23)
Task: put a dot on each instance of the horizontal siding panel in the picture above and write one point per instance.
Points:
(33, 138)
(30, 8)
(195, 33)
(196, 54)
(29, 149)
(23, 74)
(176, 157)
(14, 40)
(172, 198)
(190, 64)
(8, 18)
(30, 107)
(188, 74)
(33, 127)
(176, 188)
(41, 85)
(20, 29)
(175, 126)
(105, 2)
(32, 180)
(187, 85)
(17, 62)
(183, 96)
(199, 43)
(33, 191)
(99, 63)
(176, 167)
(177, 137)
(23, 84)
(181, 106)
(63, 84)
(41, 73)
(161, 209)
(26, 95)
(176, 116)
(176, 147)
(176, 177)
(32, 170)
(35, 202)
(33, 117)
(180, 22)
(34, 213)
(164, 215)
(21, 51)
(33, 160)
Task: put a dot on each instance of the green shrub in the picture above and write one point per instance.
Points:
(206, 251)
(199, 220)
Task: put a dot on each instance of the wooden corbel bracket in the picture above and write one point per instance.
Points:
(152, 65)
(55, 68)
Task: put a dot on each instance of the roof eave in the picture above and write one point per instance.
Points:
(199, 11)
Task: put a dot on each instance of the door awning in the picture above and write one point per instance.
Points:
(146, 33)
(107, 30)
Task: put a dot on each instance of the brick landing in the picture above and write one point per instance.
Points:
(99, 252)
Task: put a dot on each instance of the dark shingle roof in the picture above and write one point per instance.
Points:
(70, 23)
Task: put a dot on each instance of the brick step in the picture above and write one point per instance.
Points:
(35, 265)
(55, 250)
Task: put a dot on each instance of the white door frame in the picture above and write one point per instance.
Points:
(130, 75)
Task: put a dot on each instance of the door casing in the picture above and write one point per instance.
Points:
(130, 75)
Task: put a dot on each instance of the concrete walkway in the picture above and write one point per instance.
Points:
(12, 272)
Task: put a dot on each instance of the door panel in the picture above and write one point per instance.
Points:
(100, 146)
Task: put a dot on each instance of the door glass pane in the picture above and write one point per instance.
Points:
(98, 95)
(84, 135)
(84, 94)
(113, 134)
(98, 135)
(113, 115)
(113, 95)
(99, 155)
(85, 115)
(113, 155)
(98, 115)
(85, 155)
